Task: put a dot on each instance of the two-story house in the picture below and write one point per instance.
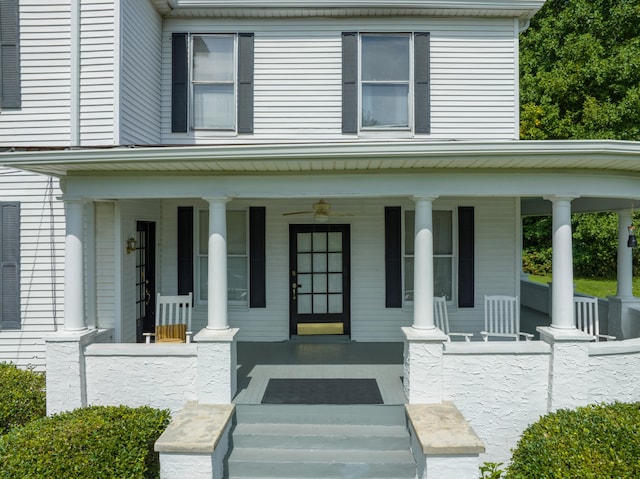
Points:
(301, 167)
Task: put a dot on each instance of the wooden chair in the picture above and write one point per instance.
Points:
(442, 319)
(586, 312)
(502, 318)
(173, 319)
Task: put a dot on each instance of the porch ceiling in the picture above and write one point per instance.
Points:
(617, 156)
(523, 9)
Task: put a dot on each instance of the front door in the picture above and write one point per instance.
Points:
(319, 279)
(145, 250)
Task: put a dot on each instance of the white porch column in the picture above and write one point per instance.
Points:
(625, 255)
(217, 288)
(562, 316)
(74, 314)
(423, 264)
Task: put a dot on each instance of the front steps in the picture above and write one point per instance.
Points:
(320, 442)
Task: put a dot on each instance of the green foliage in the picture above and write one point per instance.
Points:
(491, 470)
(580, 71)
(94, 442)
(595, 245)
(22, 396)
(590, 442)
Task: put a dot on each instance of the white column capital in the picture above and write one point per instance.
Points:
(558, 198)
(217, 199)
(421, 198)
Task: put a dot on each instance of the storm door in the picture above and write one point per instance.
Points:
(145, 251)
(319, 279)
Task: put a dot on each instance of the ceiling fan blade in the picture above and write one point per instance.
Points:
(298, 213)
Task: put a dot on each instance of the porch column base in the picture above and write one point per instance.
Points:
(217, 362)
(65, 370)
(568, 374)
(423, 349)
(624, 317)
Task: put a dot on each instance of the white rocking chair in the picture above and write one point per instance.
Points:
(173, 319)
(586, 311)
(441, 318)
(502, 318)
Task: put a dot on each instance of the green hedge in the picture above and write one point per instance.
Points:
(22, 396)
(599, 441)
(88, 443)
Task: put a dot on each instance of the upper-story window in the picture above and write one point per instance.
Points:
(212, 82)
(385, 82)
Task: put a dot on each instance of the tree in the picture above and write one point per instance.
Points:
(580, 71)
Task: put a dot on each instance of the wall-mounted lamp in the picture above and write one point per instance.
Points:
(632, 241)
(131, 245)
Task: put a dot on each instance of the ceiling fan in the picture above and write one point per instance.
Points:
(321, 210)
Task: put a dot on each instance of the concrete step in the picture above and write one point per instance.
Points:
(284, 441)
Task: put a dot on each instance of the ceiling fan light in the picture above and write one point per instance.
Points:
(321, 217)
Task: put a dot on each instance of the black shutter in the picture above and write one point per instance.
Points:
(185, 249)
(393, 256)
(421, 83)
(245, 83)
(257, 257)
(349, 82)
(179, 82)
(466, 248)
(9, 55)
(10, 265)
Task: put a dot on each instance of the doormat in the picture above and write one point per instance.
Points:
(322, 391)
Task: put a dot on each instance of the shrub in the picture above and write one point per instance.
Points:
(22, 396)
(588, 442)
(94, 442)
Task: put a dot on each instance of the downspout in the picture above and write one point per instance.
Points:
(74, 105)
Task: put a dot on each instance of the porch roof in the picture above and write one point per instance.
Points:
(257, 158)
(523, 9)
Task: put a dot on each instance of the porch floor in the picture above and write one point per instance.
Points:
(318, 357)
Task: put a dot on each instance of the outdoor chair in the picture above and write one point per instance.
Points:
(173, 319)
(442, 318)
(502, 318)
(586, 311)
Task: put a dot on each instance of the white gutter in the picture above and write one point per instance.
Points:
(74, 109)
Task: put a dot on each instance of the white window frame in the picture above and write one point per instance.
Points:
(193, 82)
(410, 81)
(199, 257)
(408, 303)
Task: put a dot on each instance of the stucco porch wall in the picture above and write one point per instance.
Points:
(615, 369)
(157, 375)
(500, 388)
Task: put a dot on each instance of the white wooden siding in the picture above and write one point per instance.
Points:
(140, 73)
(45, 73)
(495, 246)
(98, 66)
(41, 265)
(298, 76)
(106, 271)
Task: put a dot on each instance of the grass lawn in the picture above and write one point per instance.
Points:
(592, 286)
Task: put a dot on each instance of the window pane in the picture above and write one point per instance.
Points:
(319, 241)
(442, 274)
(385, 105)
(203, 233)
(335, 303)
(319, 283)
(409, 231)
(319, 263)
(204, 278)
(385, 58)
(408, 279)
(237, 232)
(442, 232)
(335, 262)
(304, 263)
(335, 283)
(213, 58)
(304, 304)
(335, 241)
(304, 242)
(319, 303)
(214, 106)
(237, 279)
(304, 283)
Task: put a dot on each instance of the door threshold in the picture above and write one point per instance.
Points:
(321, 338)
